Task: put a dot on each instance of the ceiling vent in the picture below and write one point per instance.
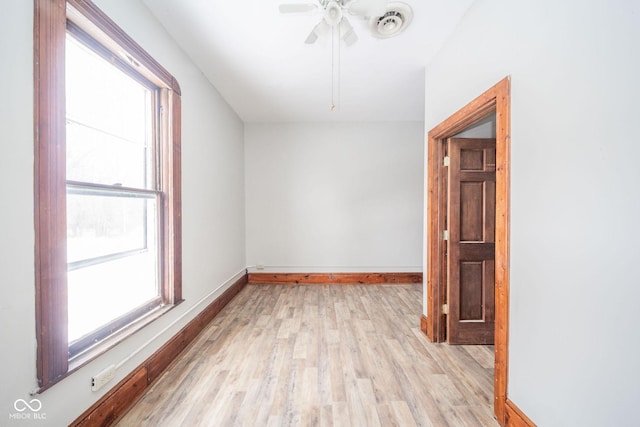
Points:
(397, 17)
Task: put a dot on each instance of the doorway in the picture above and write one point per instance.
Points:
(496, 101)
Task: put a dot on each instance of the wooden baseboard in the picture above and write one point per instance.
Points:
(116, 402)
(515, 417)
(423, 324)
(333, 278)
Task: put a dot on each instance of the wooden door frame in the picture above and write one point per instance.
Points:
(497, 99)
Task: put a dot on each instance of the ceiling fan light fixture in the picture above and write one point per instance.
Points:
(311, 38)
(333, 13)
(320, 29)
(394, 21)
(348, 35)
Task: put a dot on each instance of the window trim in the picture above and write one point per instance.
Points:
(50, 28)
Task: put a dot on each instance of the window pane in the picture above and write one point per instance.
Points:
(108, 121)
(117, 239)
(101, 225)
(96, 157)
(100, 293)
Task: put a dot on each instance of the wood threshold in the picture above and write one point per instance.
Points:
(333, 278)
(496, 99)
(120, 398)
(515, 417)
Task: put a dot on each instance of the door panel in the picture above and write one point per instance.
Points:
(471, 290)
(471, 215)
(471, 244)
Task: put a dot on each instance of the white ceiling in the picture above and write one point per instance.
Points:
(258, 61)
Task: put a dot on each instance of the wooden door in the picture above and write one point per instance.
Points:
(471, 240)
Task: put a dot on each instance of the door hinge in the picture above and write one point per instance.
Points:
(445, 235)
(445, 308)
(445, 161)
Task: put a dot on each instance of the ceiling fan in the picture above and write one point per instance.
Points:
(334, 15)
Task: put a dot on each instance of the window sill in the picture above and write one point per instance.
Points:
(107, 344)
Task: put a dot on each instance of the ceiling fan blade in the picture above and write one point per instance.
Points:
(317, 31)
(297, 7)
(348, 35)
(368, 7)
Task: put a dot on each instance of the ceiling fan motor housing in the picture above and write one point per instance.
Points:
(333, 13)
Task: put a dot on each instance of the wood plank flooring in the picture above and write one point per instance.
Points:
(321, 355)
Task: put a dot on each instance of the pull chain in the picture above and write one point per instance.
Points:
(339, 65)
(335, 74)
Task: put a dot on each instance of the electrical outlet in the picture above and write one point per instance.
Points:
(103, 377)
(260, 267)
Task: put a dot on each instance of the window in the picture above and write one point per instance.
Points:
(108, 253)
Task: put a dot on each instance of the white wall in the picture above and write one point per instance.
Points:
(575, 67)
(213, 209)
(334, 197)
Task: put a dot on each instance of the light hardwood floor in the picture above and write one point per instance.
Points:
(325, 355)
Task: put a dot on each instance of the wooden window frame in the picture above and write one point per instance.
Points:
(50, 29)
